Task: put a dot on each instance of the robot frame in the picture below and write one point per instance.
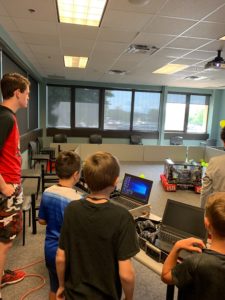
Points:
(185, 176)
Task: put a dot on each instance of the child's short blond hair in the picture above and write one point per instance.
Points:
(215, 212)
(101, 171)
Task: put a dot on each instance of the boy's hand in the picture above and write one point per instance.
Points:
(60, 294)
(8, 190)
(190, 244)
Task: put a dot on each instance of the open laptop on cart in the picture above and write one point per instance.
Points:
(134, 193)
(180, 221)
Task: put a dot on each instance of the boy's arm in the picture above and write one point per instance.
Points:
(127, 277)
(42, 221)
(190, 244)
(207, 184)
(60, 268)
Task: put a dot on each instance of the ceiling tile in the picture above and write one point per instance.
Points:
(207, 30)
(158, 40)
(31, 26)
(217, 16)
(125, 21)
(151, 8)
(72, 32)
(40, 39)
(45, 10)
(188, 42)
(190, 9)
(108, 34)
(200, 55)
(165, 25)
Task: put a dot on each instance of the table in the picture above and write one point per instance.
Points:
(153, 265)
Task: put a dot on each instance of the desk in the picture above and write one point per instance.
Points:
(32, 174)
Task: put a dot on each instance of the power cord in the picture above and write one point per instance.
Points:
(43, 281)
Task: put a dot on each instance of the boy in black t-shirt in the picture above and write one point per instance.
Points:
(202, 275)
(97, 239)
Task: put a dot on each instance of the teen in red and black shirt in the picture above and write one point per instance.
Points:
(15, 91)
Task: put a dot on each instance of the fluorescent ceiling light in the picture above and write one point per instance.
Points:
(81, 12)
(75, 62)
(170, 69)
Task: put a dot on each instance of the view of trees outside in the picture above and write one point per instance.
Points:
(87, 108)
(117, 110)
(59, 102)
(146, 111)
(176, 107)
(198, 113)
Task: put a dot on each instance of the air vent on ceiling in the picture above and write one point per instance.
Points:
(117, 72)
(194, 77)
(143, 49)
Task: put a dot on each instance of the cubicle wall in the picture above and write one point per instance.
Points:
(160, 153)
(210, 152)
(196, 153)
(147, 153)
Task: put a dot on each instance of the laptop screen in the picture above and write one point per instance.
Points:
(184, 218)
(136, 188)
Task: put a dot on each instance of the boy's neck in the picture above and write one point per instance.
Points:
(69, 183)
(218, 245)
(100, 196)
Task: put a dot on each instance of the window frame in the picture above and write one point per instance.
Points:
(86, 132)
(188, 135)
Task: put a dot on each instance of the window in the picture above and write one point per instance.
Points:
(175, 112)
(86, 108)
(108, 112)
(146, 111)
(59, 100)
(198, 114)
(186, 113)
(117, 110)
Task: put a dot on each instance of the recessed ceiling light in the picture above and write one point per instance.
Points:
(75, 62)
(170, 69)
(222, 38)
(81, 12)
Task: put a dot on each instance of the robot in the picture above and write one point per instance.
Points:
(187, 175)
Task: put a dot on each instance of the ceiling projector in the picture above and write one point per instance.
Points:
(217, 63)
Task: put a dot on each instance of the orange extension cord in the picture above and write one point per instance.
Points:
(33, 275)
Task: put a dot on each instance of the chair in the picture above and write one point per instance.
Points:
(95, 139)
(31, 180)
(34, 157)
(176, 140)
(48, 179)
(45, 150)
(60, 138)
(135, 140)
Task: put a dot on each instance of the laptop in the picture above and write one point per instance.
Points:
(180, 221)
(134, 193)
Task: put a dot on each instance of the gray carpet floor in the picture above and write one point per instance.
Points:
(31, 256)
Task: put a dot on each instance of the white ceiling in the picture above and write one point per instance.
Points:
(185, 31)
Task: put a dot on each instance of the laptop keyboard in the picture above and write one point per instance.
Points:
(168, 237)
(126, 202)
